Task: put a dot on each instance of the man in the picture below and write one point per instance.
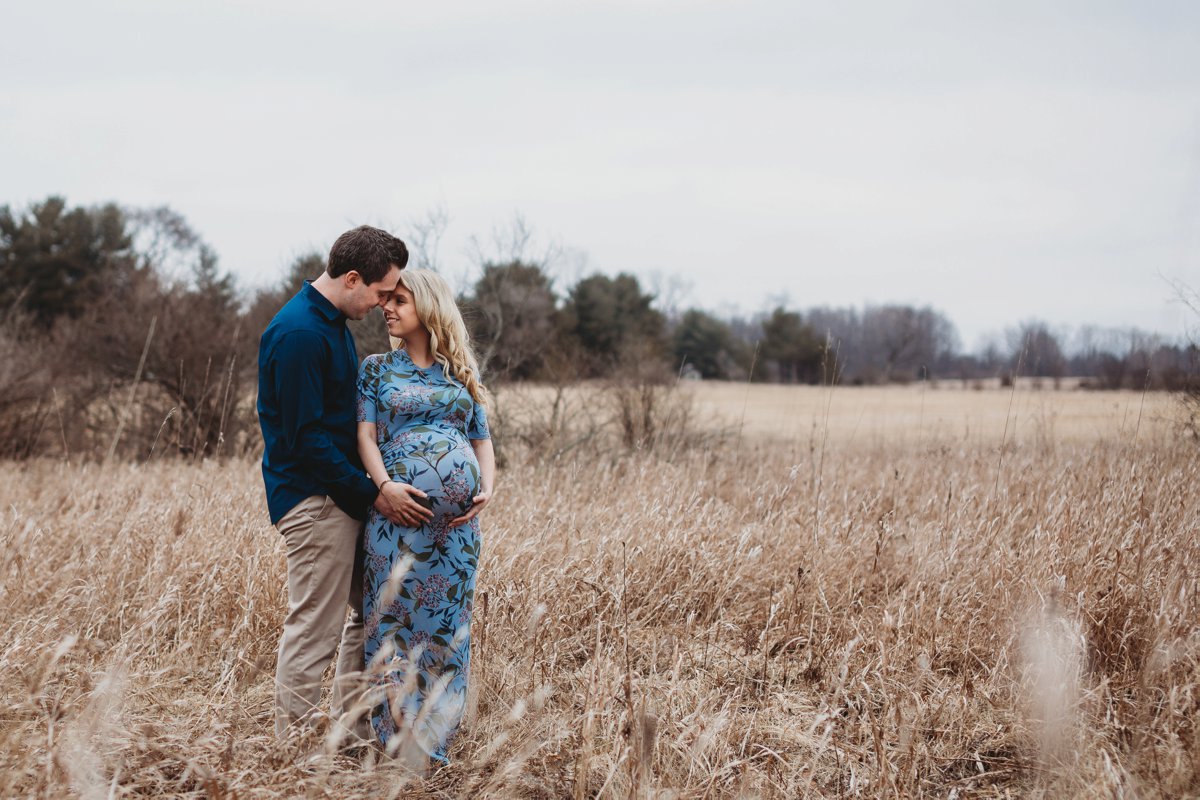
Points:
(317, 492)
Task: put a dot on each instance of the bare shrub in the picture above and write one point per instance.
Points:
(28, 362)
(139, 342)
(543, 421)
(1189, 400)
(650, 409)
(1189, 386)
(639, 408)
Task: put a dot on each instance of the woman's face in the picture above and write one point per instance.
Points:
(400, 313)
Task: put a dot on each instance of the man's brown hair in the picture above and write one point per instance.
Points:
(368, 251)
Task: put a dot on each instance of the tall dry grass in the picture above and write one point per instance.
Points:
(813, 617)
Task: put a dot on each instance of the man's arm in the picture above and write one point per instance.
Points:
(299, 387)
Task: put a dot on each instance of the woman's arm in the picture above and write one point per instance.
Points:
(394, 500)
(368, 451)
(486, 456)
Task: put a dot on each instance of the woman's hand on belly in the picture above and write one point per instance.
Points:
(478, 502)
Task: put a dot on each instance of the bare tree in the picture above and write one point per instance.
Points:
(425, 239)
(1036, 348)
(512, 314)
(888, 343)
(1189, 397)
(175, 335)
(670, 292)
(513, 241)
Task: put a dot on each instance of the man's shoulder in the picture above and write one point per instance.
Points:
(294, 328)
(296, 316)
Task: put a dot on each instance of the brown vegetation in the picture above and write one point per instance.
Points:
(825, 615)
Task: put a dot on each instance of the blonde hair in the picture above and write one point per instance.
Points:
(448, 338)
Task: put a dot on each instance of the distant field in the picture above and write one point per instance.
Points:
(917, 414)
(864, 596)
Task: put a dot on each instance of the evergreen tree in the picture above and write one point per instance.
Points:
(792, 346)
(705, 342)
(614, 321)
(54, 261)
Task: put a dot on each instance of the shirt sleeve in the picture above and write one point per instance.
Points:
(477, 427)
(368, 390)
(299, 385)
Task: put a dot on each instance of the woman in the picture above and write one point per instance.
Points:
(423, 424)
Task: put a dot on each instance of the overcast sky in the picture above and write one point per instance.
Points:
(998, 160)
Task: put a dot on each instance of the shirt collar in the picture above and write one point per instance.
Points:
(321, 303)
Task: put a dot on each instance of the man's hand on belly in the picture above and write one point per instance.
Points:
(396, 502)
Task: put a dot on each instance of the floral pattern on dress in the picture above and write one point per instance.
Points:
(418, 624)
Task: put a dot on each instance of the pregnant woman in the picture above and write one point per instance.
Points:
(423, 425)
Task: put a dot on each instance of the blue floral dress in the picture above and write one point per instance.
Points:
(418, 624)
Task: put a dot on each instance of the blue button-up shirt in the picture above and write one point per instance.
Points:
(307, 369)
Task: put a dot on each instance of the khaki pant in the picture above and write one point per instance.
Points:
(324, 571)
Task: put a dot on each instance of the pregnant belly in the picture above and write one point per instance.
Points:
(444, 467)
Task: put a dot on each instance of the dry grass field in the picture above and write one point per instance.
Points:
(850, 593)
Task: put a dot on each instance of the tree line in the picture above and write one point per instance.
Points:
(120, 333)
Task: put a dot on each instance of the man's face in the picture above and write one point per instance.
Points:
(364, 296)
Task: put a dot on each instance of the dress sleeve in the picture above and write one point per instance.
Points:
(368, 387)
(477, 425)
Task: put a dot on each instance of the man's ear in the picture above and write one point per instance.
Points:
(351, 279)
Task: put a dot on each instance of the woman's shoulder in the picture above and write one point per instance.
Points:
(375, 362)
